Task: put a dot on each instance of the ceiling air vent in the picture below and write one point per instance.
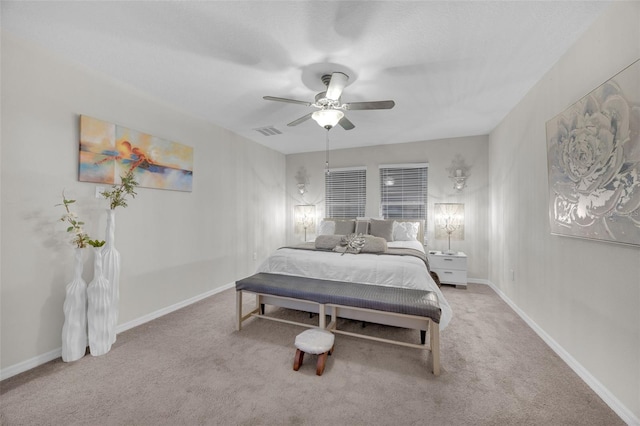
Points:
(268, 131)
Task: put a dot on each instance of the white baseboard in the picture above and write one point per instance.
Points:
(614, 403)
(164, 311)
(23, 366)
(479, 281)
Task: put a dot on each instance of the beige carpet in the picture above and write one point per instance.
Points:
(191, 367)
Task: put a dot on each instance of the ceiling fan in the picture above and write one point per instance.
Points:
(330, 110)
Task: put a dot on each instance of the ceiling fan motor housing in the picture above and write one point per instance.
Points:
(323, 102)
(326, 79)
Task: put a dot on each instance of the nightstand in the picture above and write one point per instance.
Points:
(451, 268)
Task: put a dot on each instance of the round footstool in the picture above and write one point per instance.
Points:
(314, 341)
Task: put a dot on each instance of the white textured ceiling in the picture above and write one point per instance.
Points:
(453, 68)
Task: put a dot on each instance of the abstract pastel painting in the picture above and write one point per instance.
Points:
(593, 154)
(97, 148)
(108, 151)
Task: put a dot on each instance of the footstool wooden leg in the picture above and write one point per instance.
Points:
(297, 360)
(322, 359)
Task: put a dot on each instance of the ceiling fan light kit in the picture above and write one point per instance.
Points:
(327, 118)
(330, 110)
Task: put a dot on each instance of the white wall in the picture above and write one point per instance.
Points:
(174, 245)
(585, 295)
(439, 154)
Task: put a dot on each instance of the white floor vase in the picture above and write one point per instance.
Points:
(111, 264)
(98, 294)
(74, 330)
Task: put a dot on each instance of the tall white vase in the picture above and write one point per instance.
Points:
(98, 294)
(111, 264)
(74, 330)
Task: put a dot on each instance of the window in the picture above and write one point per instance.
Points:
(346, 192)
(403, 191)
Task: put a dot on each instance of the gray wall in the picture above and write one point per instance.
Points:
(583, 295)
(174, 245)
(439, 154)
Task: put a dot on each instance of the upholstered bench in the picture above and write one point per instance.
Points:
(314, 341)
(398, 307)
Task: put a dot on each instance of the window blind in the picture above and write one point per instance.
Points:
(346, 192)
(403, 191)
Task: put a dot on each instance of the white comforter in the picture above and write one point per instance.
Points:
(391, 271)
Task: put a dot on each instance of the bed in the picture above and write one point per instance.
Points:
(401, 265)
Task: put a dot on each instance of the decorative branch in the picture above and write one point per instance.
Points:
(117, 195)
(81, 239)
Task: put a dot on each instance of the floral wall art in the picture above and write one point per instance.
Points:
(108, 151)
(593, 152)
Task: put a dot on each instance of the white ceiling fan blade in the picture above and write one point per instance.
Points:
(337, 83)
(370, 105)
(346, 124)
(292, 101)
(300, 120)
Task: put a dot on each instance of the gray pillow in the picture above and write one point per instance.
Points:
(374, 245)
(382, 229)
(362, 227)
(328, 242)
(345, 227)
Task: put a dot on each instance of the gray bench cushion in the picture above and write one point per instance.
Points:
(390, 299)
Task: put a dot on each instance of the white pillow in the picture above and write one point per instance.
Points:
(327, 227)
(405, 231)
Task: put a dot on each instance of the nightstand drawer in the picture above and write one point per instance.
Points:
(448, 262)
(451, 276)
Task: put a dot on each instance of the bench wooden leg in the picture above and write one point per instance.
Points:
(434, 337)
(322, 321)
(238, 310)
(297, 360)
(322, 359)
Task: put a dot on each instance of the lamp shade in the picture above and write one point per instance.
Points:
(305, 219)
(327, 118)
(449, 221)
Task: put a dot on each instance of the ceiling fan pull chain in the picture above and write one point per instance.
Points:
(326, 164)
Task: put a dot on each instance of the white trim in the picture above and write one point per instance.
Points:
(479, 281)
(169, 309)
(347, 169)
(614, 403)
(403, 166)
(23, 366)
(36, 361)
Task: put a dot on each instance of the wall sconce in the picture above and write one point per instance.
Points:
(458, 173)
(449, 221)
(305, 217)
(302, 180)
(459, 180)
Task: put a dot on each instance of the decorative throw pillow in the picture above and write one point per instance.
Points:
(327, 242)
(374, 244)
(382, 228)
(351, 243)
(327, 227)
(405, 231)
(344, 227)
(362, 227)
